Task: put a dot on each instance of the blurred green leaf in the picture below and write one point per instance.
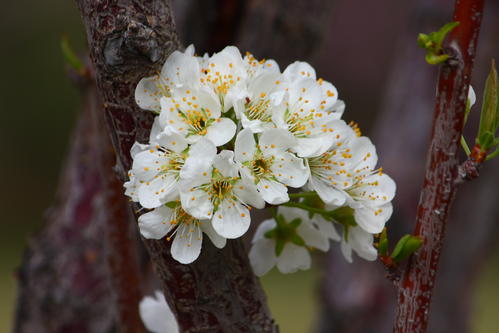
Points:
(70, 56)
(406, 246)
(489, 115)
(383, 243)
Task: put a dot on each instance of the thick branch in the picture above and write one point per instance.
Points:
(65, 281)
(129, 40)
(416, 286)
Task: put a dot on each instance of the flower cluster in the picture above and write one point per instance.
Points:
(234, 133)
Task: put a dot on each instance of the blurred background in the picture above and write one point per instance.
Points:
(367, 49)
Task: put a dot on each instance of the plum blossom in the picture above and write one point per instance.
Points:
(215, 191)
(269, 165)
(196, 114)
(181, 69)
(186, 231)
(232, 134)
(157, 315)
(286, 241)
(346, 175)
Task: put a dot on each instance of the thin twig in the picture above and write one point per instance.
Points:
(418, 279)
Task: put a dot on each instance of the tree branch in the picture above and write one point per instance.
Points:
(418, 280)
(129, 40)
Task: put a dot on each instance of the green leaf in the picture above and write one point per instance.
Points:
(400, 244)
(383, 243)
(432, 43)
(406, 246)
(68, 54)
(490, 110)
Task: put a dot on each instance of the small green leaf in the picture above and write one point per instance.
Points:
(383, 243)
(432, 43)
(489, 115)
(400, 245)
(406, 246)
(70, 56)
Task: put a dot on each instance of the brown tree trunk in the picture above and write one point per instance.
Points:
(71, 279)
(129, 40)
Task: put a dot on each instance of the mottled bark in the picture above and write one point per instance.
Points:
(129, 40)
(439, 188)
(68, 280)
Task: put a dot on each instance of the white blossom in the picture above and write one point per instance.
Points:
(346, 175)
(181, 69)
(269, 165)
(215, 191)
(157, 315)
(196, 114)
(186, 231)
(315, 233)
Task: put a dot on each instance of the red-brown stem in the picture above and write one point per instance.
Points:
(418, 279)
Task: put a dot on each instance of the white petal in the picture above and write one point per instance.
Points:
(364, 154)
(326, 228)
(311, 147)
(137, 148)
(328, 194)
(156, 224)
(197, 203)
(231, 220)
(155, 130)
(247, 193)
(291, 213)
(171, 140)
(145, 164)
(198, 165)
(371, 219)
(224, 162)
(215, 238)
(361, 242)
(158, 191)
(181, 69)
(157, 315)
(244, 148)
(276, 139)
(147, 94)
(312, 236)
(186, 245)
(272, 192)
(293, 258)
(471, 96)
(299, 70)
(262, 256)
(221, 131)
(265, 226)
(290, 170)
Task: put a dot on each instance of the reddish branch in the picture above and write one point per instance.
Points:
(129, 40)
(418, 280)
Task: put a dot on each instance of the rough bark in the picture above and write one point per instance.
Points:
(439, 188)
(129, 40)
(64, 280)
